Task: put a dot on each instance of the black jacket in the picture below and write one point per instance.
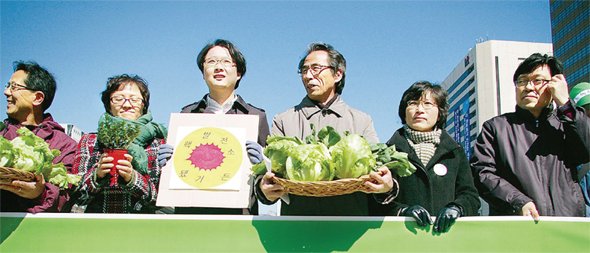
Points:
(426, 188)
(518, 158)
(239, 107)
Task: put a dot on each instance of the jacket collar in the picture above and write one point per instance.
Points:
(308, 107)
(526, 115)
(201, 105)
(43, 130)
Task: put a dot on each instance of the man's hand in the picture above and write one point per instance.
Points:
(559, 90)
(271, 191)
(381, 181)
(28, 190)
(529, 209)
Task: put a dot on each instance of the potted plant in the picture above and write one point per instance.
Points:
(116, 136)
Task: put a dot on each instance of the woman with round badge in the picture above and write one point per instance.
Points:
(134, 190)
(442, 184)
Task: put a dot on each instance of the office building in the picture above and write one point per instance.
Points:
(570, 27)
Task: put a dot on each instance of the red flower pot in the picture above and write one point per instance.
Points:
(117, 154)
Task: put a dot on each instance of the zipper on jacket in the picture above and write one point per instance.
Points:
(537, 122)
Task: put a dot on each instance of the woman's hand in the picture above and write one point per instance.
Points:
(28, 190)
(381, 181)
(125, 168)
(271, 191)
(105, 163)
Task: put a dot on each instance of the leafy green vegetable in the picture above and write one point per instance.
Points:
(330, 156)
(309, 162)
(394, 160)
(352, 156)
(329, 136)
(277, 150)
(31, 153)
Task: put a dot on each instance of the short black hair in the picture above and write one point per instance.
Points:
(534, 61)
(337, 61)
(416, 91)
(115, 82)
(38, 79)
(236, 55)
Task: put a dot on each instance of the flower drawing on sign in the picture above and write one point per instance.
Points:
(206, 157)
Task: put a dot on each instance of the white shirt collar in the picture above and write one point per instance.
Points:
(220, 109)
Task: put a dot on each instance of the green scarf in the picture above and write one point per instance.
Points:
(149, 131)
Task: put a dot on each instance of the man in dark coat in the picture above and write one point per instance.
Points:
(223, 67)
(524, 163)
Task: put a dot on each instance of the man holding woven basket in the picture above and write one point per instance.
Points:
(29, 93)
(322, 72)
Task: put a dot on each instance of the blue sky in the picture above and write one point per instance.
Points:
(388, 46)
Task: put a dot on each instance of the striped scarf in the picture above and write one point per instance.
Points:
(424, 143)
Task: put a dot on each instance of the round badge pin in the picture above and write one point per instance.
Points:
(440, 169)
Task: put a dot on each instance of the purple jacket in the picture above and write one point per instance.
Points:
(52, 199)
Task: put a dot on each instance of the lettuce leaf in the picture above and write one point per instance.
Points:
(31, 153)
(309, 162)
(352, 156)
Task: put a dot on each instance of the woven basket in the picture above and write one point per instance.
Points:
(9, 174)
(323, 188)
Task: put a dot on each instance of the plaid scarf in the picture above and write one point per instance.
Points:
(424, 143)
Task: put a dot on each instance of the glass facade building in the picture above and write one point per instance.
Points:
(571, 38)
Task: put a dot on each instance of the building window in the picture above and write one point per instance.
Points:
(576, 57)
(582, 36)
(566, 29)
(460, 80)
(567, 11)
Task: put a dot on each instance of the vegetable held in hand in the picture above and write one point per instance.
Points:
(310, 162)
(352, 157)
(31, 153)
(396, 161)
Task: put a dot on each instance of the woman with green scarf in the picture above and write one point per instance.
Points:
(136, 181)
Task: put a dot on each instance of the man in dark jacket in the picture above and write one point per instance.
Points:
(524, 162)
(223, 67)
(29, 93)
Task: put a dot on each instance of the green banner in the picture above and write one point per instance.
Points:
(226, 233)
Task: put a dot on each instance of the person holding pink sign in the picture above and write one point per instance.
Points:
(126, 99)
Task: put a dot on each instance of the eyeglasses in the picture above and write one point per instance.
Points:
(120, 100)
(316, 69)
(224, 62)
(15, 87)
(537, 82)
(427, 105)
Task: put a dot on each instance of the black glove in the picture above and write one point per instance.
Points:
(419, 213)
(254, 152)
(446, 218)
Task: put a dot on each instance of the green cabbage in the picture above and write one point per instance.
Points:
(352, 157)
(309, 162)
(277, 151)
(31, 153)
(330, 156)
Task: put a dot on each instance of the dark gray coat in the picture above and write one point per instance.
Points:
(426, 188)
